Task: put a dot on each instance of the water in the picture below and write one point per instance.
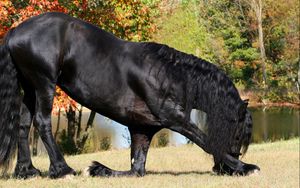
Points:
(269, 124)
(274, 123)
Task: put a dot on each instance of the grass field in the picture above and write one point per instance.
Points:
(185, 166)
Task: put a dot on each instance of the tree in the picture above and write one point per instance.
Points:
(227, 23)
(257, 7)
(255, 41)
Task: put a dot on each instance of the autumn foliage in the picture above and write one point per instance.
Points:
(11, 15)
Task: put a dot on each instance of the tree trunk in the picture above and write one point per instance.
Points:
(70, 146)
(261, 43)
(90, 120)
(298, 84)
(71, 116)
(79, 123)
(57, 125)
(257, 7)
(88, 125)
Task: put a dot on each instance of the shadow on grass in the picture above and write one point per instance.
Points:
(45, 174)
(180, 173)
(150, 172)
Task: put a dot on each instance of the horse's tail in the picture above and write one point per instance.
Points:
(10, 101)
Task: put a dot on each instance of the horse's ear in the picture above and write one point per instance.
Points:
(242, 109)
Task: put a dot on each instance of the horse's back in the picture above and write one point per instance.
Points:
(42, 44)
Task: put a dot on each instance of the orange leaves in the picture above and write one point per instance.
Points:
(76, 3)
(11, 17)
(6, 9)
(239, 64)
(129, 20)
(47, 5)
(62, 101)
(37, 7)
(133, 19)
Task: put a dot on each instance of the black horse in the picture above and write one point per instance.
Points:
(146, 86)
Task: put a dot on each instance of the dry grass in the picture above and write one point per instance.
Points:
(186, 166)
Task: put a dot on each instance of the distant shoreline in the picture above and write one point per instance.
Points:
(274, 104)
(256, 101)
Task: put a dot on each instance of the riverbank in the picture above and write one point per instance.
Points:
(185, 166)
(256, 101)
(274, 104)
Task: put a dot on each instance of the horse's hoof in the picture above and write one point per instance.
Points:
(98, 169)
(245, 170)
(250, 169)
(60, 171)
(26, 171)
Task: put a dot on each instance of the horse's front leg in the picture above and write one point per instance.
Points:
(192, 132)
(140, 142)
(232, 166)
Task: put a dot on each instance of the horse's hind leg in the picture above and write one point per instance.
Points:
(24, 167)
(42, 121)
(140, 142)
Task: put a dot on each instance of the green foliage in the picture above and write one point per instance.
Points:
(86, 141)
(225, 33)
(282, 83)
(247, 55)
(275, 43)
(163, 139)
(234, 42)
(67, 144)
(150, 2)
(182, 31)
(243, 76)
(105, 143)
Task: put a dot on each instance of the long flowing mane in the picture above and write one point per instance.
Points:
(203, 75)
(208, 89)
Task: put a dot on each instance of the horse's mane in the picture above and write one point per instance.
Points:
(209, 86)
(205, 75)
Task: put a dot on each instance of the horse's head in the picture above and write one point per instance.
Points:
(242, 136)
(239, 143)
